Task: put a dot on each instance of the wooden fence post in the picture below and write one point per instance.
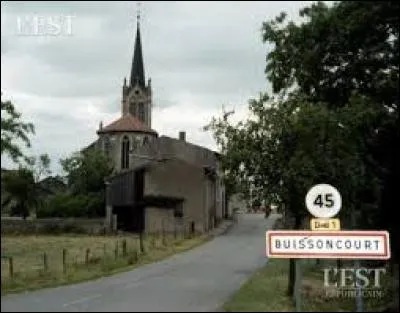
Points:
(141, 243)
(45, 264)
(192, 229)
(124, 247)
(175, 235)
(87, 256)
(116, 250)
(11, 266)
(64, 260)
(164, 242)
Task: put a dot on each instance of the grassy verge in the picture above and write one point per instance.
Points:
(87, 257)
(266, 290)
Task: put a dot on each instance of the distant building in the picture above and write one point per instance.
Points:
(159, 182)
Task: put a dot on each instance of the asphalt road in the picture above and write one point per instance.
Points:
(199, 280)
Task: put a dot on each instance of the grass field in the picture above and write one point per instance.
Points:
(266, 290)
(37, 261)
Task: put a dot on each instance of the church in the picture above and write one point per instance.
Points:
(159, 182)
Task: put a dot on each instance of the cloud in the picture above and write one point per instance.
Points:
(199, 56)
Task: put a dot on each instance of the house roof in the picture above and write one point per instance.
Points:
(127, 123)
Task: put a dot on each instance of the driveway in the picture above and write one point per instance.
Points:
(201, 279)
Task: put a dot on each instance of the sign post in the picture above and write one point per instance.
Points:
(326, 240)
(297, 286)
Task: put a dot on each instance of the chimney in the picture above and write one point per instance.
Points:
(182, 136)
(101, 125)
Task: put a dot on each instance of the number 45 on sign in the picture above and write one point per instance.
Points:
(323, 201)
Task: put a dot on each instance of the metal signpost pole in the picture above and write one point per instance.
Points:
(297, 286)
(359, 298)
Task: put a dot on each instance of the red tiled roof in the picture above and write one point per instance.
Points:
(127, 123)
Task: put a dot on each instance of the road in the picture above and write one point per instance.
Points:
(199, 280)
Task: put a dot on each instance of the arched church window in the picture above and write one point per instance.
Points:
(141, 111)
(132, 108)
(125, 153)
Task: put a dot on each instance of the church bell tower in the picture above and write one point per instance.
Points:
(137, 96)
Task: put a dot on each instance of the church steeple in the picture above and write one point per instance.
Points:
(137, 71)
(137, 96)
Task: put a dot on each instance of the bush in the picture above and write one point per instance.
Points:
(73, 228)
(96, 205)
(52, 228)
(66, 205)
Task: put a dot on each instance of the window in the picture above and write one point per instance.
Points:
(132, 108)
(145, 141)
(178, 211)
(125, 153)
(141, 111)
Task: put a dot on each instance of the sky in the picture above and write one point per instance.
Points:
(199, 56)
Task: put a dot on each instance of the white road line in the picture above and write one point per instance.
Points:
(82, 300)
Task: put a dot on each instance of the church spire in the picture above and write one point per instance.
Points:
(137, 71)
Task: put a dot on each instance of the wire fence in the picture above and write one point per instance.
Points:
(27, 258)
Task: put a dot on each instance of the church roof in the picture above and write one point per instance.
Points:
(127, 123)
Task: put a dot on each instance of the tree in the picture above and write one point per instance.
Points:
(287, 146)
(12, 129)
(21, 193)
(86, 172)
(40, 168)
(337, 94)
(338, 49)
(351, 45)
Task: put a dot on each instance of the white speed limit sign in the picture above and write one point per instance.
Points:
(323, 201)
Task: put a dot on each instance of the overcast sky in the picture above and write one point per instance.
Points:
(199, 56)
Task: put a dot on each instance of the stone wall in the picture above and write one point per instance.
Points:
(136, 144)
(198, 156)
(52, 226)
(178, 179)
(159, 219)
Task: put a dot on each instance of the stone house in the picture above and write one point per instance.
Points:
(165, 195)
(159, 182)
